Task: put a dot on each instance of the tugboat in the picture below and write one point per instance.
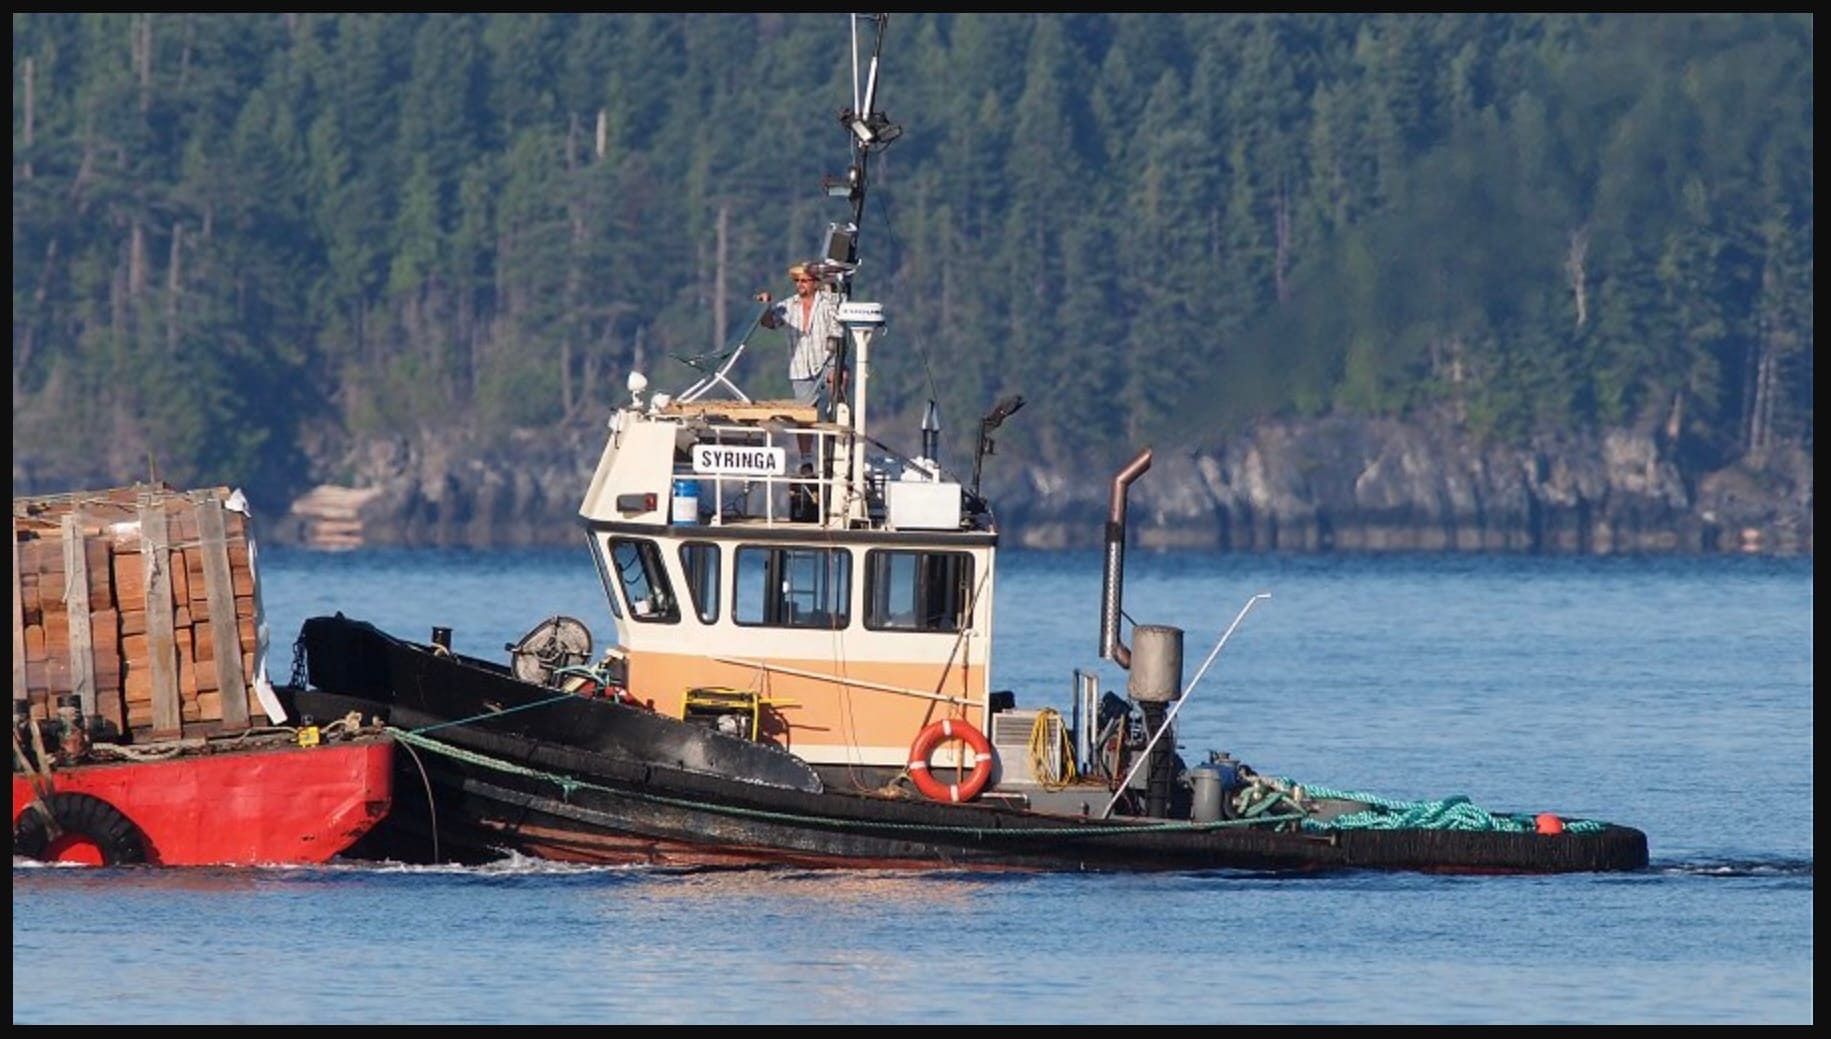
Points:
(802, 671)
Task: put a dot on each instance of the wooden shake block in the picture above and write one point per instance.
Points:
(105, 629)
(101, 577)
(124, 536)
(30, 606)
(57, 675)
(129, 580)
(181, 578)
(181, 523)
(37, 556)
(57, 634)
(203, 641)
(198, 562)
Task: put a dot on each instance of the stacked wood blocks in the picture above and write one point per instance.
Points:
(143, 601)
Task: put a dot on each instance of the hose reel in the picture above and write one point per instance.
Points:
(555, 643)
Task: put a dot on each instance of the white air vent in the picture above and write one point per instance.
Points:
(1011, 737)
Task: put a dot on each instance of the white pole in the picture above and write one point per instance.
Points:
(1183, 699)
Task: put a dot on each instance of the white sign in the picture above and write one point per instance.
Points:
(732, 460)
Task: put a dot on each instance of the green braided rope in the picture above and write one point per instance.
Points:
(569, 785)
(1450, 813)
(490, 714)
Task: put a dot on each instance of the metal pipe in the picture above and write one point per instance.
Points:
(1183, 699)
(1112, 584)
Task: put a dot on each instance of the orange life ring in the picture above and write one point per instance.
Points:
(933, 736)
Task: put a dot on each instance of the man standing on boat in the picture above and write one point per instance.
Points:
(814, 333)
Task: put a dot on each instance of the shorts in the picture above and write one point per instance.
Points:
(812, 391)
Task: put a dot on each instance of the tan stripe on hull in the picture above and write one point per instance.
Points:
(815, 717)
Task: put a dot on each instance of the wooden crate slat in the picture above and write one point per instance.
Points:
(19, 687)
(82, 647)
(161, 649)
(219, 589)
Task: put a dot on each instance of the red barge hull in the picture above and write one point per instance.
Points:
(272, 805)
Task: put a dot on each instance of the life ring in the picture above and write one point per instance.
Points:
(933, 736)
(93, 832)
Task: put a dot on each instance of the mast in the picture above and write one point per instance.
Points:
(870, 131)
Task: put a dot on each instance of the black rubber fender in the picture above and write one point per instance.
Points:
(84, 820)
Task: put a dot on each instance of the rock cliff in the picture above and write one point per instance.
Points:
(1326, 485)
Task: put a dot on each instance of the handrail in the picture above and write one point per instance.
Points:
(881, 687)
(835, 495)
(1183, 699)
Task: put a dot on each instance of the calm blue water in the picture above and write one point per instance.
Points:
(1671, 695)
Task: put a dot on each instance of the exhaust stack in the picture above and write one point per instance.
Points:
(1112, 584)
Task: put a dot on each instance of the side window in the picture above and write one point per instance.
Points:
(793, 587)
(599, 560)
(699, 560)
(644, 581)
(917, 591)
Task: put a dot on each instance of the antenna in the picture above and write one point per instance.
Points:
(871, 77)
(871, 130)
(931, 433)
(856, 103)
(993, 419)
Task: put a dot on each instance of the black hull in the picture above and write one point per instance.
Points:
(493, 765)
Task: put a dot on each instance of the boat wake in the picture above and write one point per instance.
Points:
(1775, 867)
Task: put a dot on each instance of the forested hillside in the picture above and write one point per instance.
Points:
(242, 242)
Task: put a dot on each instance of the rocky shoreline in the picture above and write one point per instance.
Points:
(1328, 485)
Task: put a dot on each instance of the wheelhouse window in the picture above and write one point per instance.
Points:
(699, 561)
(918, 591)
(793, 587)
(643, 581)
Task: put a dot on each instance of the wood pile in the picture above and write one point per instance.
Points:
(331, 516)
(143, 602)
